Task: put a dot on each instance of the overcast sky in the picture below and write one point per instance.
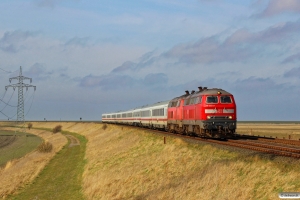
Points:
(91, 57)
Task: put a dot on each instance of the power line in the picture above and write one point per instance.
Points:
(31, 103)
(8, 71)
(8, 102)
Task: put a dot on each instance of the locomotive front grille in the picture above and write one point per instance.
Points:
(219, 117)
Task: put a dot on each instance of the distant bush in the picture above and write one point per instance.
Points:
(45, 147)
(57, 129)
(104, 126)
(29, 126)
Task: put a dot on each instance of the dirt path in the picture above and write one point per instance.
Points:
(73, 141)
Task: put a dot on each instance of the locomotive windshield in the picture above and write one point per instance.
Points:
(212, 99)
(226, 99)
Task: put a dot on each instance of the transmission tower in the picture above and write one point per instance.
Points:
(20, 85)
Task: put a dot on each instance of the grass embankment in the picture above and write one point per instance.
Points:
(21, 145)
(62, 177)
(144, 168)
(123, 163)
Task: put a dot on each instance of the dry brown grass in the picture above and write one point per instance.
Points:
(136, 165)
(22, 171)
(129, 164)
(270, 129)
(45, 147)
(122, 163)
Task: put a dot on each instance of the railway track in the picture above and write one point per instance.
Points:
(275, 146)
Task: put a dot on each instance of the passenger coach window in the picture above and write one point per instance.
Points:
(158, 112)
(226, 99)
(212, 99)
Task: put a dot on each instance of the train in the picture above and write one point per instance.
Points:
(204, 113)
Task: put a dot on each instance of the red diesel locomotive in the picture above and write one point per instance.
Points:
(205, 113)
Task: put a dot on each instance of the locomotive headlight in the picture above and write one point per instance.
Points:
(230, 117)
(208, 117)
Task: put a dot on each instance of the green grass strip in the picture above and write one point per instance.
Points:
(62, 177)
(23, 144)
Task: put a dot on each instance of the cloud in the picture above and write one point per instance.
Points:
(209, 50)
(292, 58)
(126, 66)
(50, 3)
(273, 34)
(107, 81)
(116, 81)
(295, 72)
(47, 3)
(38, 72)
(156, 79)
(276, 7)
(13, 41)
(255, 84)
(76, 41)
(239, 46)
(147, 59)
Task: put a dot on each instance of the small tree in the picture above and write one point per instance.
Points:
(29, 126)
(57, 129)
(104, 126)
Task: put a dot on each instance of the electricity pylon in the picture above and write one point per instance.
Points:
(20, 85)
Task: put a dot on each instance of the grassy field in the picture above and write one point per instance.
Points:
(275, 129)
(123, 163)
(21, 145)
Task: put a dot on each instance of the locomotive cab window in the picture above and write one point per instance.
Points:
(173, 104)
(226, 99)
(198, 99)
(187, 102)
(211, 99)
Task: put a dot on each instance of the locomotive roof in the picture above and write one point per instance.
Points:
(213, 91)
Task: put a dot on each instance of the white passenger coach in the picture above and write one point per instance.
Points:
(152, 116)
